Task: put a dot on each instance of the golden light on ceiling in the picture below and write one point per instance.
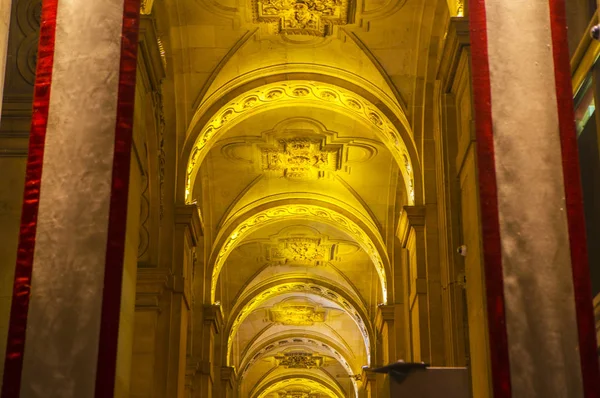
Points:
(295, 93)
(304, 383)
(306, 288)
(306, 212)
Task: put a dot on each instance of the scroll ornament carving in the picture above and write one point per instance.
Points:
(299, 159)
(299, 288)
(296, 394)
(301, 250)
(302, 17)
(318, 94)
(297, 315)
(299, 211)
(299, 360)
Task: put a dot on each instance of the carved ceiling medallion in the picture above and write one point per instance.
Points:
(297, 314)
(302, 17)
(301, 251)
(300, 159)
(299, 360)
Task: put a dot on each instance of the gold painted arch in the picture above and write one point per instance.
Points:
(294, 93)
(233, 234)
(308, 286)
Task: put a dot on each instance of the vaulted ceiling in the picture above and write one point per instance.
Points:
(298, 120)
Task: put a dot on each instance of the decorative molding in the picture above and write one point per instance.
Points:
(301, 17)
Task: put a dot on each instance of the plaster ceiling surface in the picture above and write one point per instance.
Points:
(294, 118)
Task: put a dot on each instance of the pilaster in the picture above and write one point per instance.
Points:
(228, 382)
(212, 326)
(390, 326)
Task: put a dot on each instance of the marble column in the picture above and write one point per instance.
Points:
(63, 337)
(540, 316)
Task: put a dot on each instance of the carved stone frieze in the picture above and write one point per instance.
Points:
(300, 251)
(299, 360)
(297, 314)
(300, 159)
(302, 17)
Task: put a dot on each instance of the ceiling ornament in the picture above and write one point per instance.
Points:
(309, 288)
(292, 314)
(300, 92)
(300, 159)
(299, 360)
(290, 211)
(297, 394)
(300, 251)
(301, 17)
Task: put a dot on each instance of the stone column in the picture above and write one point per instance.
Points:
(540, 316)
(66, 305)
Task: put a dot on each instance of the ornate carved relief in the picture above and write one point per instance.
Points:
(296, 394)
(299, 159)
(297, 314)
(299, 360)
(300, 251)
(302, 17)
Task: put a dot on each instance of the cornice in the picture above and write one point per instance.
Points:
(189, 215)
(229, 375)
(457, 39)
(412, 216)
(150, 286)
(213, 315)
(150, 53)
(385, 313)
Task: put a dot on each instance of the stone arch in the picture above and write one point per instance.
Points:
(327, 290)
(264, 93)
(234, 232)
(262, 390)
